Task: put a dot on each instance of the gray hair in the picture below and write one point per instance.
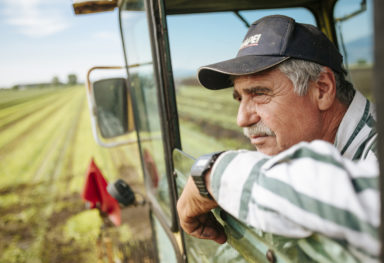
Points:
(301, 72)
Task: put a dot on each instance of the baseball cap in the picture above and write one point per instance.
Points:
(270, 41)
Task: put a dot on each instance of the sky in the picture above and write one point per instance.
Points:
(40, 39)
(219, 35)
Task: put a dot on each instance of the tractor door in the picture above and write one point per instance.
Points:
(144, 87)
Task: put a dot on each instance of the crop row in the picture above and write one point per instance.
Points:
(192, 113)
(43, 159)
(17, 112)
(9, 98)
(19, 131)
(210, 106)
(208, 121)
(215, 106)
(202, 94)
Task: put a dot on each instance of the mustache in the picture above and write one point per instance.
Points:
(258, 129)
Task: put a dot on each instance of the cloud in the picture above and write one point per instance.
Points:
(35, 18)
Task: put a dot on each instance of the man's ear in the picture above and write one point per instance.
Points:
(324, 89)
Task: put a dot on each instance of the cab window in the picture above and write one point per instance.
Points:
(355, 39)
(143, 89)
(208, 118)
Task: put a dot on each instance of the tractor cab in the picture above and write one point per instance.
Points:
(158, 103)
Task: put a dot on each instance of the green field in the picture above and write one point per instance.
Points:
(208, 121)
(45, 148)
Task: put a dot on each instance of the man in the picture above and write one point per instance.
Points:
(315, 169)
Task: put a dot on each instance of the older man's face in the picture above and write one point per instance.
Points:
(272, 115)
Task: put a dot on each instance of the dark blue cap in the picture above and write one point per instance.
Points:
(270, 41)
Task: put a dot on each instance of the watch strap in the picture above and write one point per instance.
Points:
(199, 169)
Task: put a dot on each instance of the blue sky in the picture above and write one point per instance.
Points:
(40, 39)
(43, 38)
(219, 35)
(209, 38)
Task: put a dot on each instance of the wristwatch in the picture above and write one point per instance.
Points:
(198, 170)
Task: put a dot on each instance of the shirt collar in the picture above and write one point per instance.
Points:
(351, 120)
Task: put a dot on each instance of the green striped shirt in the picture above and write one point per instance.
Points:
(311, 187)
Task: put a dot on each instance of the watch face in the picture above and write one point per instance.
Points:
(198, 169)
(202, 161)
(202, 164)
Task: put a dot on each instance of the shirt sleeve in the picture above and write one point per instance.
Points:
(307, 188)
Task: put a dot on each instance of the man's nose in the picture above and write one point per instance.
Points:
(247, 115)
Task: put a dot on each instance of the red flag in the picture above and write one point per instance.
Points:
(95, 193)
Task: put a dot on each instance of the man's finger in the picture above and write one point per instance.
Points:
(214, 234)
(206, 227)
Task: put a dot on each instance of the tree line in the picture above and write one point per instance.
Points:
(71, 80)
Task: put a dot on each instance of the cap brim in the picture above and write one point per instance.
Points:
(217, 76)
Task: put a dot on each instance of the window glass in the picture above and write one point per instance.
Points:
(164, 245)
(144, 94)
(208, 118)
(355, 39)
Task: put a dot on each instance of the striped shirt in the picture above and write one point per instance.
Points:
(310, 188)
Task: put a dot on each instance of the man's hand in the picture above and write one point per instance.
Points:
(196, 217)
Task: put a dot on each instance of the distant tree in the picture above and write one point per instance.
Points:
(72, 79)
(361, 61)
(55, 81)
(190, 81)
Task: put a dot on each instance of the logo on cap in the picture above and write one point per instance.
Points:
(251, 41)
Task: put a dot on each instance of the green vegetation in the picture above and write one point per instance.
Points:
(45, 148)
(72, 79)
(208, 121)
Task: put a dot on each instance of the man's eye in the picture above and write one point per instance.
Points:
(257, 93)
(260, 96)
(237, 98)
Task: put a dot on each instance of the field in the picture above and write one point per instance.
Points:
(45, 148)
(209, 118)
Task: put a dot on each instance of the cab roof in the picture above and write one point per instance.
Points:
(204, 6)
